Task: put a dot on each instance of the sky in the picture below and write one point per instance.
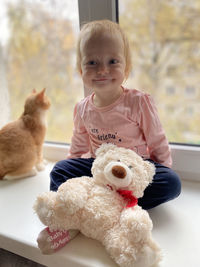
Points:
(61, 8)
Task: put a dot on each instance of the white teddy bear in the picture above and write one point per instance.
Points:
(105, 207)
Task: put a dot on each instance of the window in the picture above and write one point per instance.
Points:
(165, 45)
(37, 50)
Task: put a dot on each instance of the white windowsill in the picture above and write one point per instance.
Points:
(186, 161)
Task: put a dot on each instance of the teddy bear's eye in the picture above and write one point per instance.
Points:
(130, 167)
(118, 160)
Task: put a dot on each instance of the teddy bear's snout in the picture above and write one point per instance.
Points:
(118, 174)
(119, 171)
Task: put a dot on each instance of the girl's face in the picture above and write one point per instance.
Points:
(102, 62)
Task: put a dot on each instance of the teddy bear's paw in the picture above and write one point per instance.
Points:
(44, 207)
(139, 233)
(125, 260)
(72, 196)
(147, 257)
(142, 227)
(138, 223)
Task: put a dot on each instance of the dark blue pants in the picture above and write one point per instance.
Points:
(166, 184)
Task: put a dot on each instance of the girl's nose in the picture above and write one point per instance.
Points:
(103, 68)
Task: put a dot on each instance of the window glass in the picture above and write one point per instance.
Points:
(165, 45)
(37, 50)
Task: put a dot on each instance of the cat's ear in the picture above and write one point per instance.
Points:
(34, 91)
(40, 96)
(43, 90)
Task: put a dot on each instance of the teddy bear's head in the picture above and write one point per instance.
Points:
(122, 168)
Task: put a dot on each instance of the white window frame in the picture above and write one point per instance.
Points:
(97, 9)
(186, 158)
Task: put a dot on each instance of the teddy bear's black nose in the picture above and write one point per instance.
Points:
(119, 172)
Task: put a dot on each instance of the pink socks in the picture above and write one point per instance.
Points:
(51, 241)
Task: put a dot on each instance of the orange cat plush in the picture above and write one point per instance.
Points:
(21, 141)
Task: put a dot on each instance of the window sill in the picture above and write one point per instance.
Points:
(186, 161)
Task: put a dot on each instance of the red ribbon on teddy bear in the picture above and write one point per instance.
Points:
(129, 197)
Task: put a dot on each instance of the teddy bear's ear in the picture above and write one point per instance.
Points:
(150, 170)
(104, 148)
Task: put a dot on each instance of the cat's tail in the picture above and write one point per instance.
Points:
(1, 176)
(2, 172)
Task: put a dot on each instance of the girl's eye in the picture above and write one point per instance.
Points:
(92, 62)
(113, 61)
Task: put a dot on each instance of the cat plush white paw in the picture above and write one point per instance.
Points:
(31, 173)
(40, 166)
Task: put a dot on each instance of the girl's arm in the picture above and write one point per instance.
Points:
(80, 138)
(154, 133)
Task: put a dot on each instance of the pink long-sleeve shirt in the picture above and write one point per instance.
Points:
(131, 121)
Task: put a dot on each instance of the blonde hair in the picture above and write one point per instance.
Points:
(98, 27)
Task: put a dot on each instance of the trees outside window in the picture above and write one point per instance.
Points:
(165, 45)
